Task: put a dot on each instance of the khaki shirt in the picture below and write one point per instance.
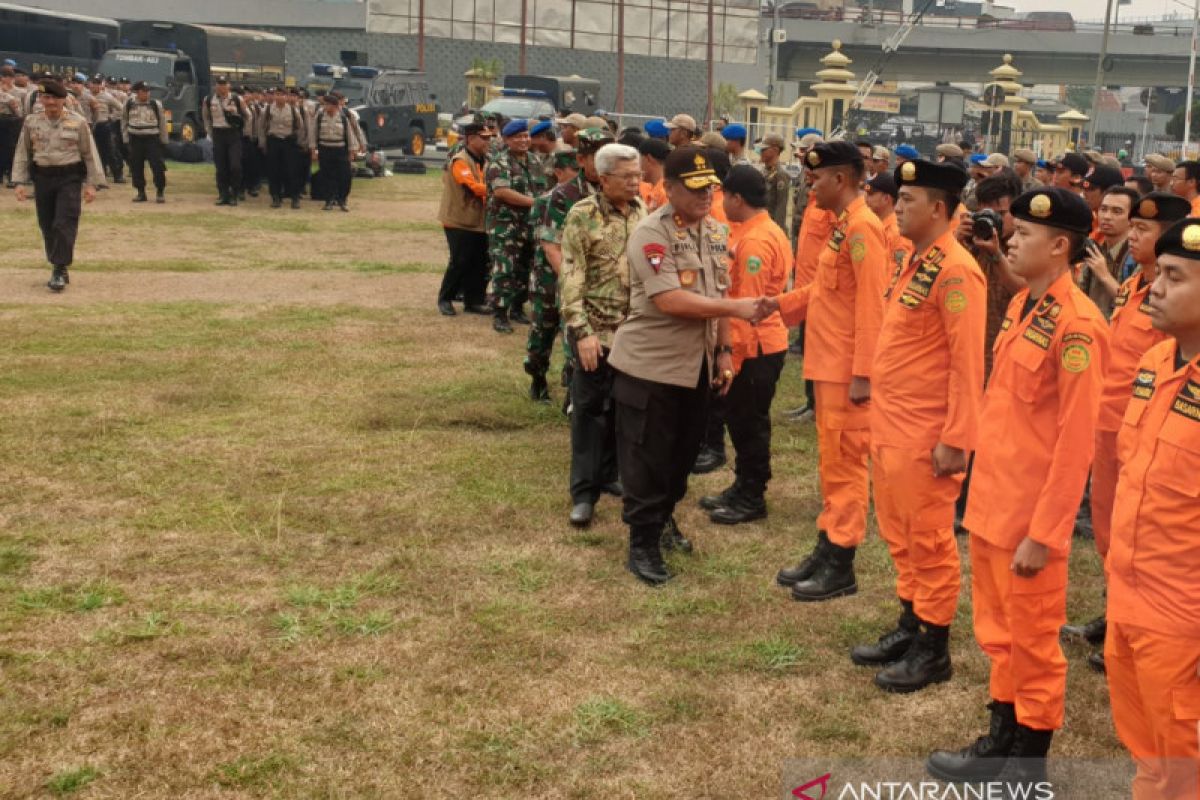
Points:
(139, 119)
(337, 130)
(665, 255)
(56, 143)
(217, 109)
(595, 268)
(282, 123)
(10, 103)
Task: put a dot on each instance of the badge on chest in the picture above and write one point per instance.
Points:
(687, 278)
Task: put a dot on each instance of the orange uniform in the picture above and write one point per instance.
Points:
(762, 265)
(926, 388)
(718, 206)
(844, 308)
(900, 249)
(1195, 212)
(1152, 651)
(1130, 336)
(654, 195)
(815, 228)
(1031, 464)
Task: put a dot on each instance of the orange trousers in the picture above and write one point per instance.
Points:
(916, 517)
(1155, 696)
(1105, 469)
(843, 441)
(1016, 623)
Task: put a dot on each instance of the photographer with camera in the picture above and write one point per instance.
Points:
(1107, 260)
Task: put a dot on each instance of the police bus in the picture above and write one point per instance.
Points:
(394, 106)
(52, 41)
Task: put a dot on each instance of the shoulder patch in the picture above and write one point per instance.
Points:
(1187, 402)
(1077, 337)
(858, 248)
(1143, 384)
(1076, 358)
(753, 265)
(654, 253)
(956, 301)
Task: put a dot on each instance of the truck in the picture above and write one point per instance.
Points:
(394, 106)
(180, 63)
(54, 41)
(568, 93)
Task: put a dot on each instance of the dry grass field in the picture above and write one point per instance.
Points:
(272, 527)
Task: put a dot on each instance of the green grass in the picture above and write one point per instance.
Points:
(71, 780)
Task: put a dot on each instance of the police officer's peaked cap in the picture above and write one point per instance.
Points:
(883, 183)
(832, 154)
(1161, 207)
(691, 167)
(589, 140)
(1181, 239)
(1055, 207)
(139, 86)
(221, 79)
(1103, 178)
(947, 176)
(908, 151)
(517, 126)
(54, 89)
(1075, 164)
(541, 127)
(734, 133)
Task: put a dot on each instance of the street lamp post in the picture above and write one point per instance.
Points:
(1191, 83)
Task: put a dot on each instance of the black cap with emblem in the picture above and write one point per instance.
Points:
(884, 183)
(1103, 178)
(1055, 207)
(1161, 207)
(1181, 239)
(947, 176)
(691, 167)
(833, 154)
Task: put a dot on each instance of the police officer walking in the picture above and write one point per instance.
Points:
(334, 140)
(56, 150)
(282, 139)
(667, 354)
(225, 114)
(144, 130)
(10, 120)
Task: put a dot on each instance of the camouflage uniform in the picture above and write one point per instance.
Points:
(548, 215)
(510, 236)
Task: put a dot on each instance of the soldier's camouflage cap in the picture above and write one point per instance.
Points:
(565, 159)
(592, 139)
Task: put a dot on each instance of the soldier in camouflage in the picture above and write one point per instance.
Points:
(513, 181)
(548, 227)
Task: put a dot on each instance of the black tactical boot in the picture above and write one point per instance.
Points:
(927, 661)
(342, 205)
(747, 506)
(711, 502)
(295, 202)
(1092, 632)
(1026, 765)
(708, 460)
(805, 569)
(500, 323)
(645, 558)
(159, 197)
(222, 201)
(892, 645)
(276, 202)
(539, 392)
(140, 197)
(834, 577)
(673, 539)
(58, 279)
(517, 315)
(328, 206)
(233, 199)
(984, 759)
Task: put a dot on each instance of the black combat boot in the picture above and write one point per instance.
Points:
(645, 558)
(233, 199)
(1096, 662)
(223, 200)
(708, 460)
(140, 197)
(892, 645)
(805, 569)
(927, 661)
(500, 323)
(295, 202)
(984, 759)
(276, 202)
(673, 539)
(834, 577)
(747, 506)
(328, 206)
(342, 205)
(58, 279)
(539, 391)
(711, 502)
(1091, 632)
(517, 315)
(159, 197)
(1026, 765)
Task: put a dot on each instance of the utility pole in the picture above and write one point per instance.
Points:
(421, 36)
(1187, 115)
(1108, 10)
(620, 58)
(524, 22)
(708, 109)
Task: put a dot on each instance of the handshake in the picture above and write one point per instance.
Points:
(753, 309)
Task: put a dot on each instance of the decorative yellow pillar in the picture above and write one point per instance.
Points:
(1004, 106)
(1073, 121)
(835, 89)
(753, 103)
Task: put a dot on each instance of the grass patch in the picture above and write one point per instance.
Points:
(71, 780)
(255, 772)
(601, 718)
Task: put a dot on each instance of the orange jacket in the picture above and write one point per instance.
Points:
(762, 264)
(718, 206)
(1196, 206)
(1130, 336)
(1154, 557)
(900, 249)
(844, 303)
(653, 195)
(815, 227)
(927, 379)
(1039, 412)
(463, 176)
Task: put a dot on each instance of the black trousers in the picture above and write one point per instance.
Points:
(658, 435)
(468, 269)
(335, 172)
(593, 431)
(252, 166)
(106, 148)
(283, 176)
(748, 415)
(714, 423)
(227, 155)
(10, 131)
(141, 150)
(58, 198)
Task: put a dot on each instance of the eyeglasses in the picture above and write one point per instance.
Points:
(628, 177)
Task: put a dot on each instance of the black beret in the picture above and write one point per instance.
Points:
(1181, 239)
(1055, 207)
(832, 154)
(947, 176)
(1103, 178)
(1075, 163)
(54, 89)
(885, 184)
(1161, 207)
(747, 183)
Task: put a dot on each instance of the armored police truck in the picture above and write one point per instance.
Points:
(180, 62)
(394, 106)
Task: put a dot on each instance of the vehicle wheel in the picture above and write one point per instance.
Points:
(189, 131)
(416, 142)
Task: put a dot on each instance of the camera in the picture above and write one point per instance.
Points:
(986, 224)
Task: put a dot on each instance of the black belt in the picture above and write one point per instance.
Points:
(291, 138)
(67, 169)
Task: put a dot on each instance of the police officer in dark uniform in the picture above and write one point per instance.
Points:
(666, 355)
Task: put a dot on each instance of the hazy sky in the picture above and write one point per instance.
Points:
(1094, 9)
